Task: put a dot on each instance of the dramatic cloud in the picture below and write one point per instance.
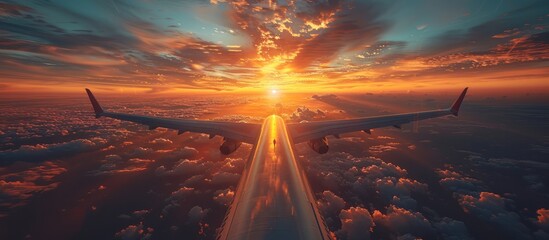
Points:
(17, 188)
(398, 192)
(486, 206)
(491, 207)
(330, 205)
(402, 221)
(225, 45)
(355, 223)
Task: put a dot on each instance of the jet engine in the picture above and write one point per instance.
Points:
(319, 145)
(229, 146)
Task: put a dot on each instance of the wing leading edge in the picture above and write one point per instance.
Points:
(243, 132)
(301, 132)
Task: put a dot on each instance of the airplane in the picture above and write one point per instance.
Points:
(273, 199)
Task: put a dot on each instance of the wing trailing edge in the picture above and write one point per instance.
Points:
(301, 132)
(242, 132)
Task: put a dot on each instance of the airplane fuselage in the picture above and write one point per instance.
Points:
(273, 199)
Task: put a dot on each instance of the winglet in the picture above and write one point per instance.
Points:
(455, 107)
(96, 107)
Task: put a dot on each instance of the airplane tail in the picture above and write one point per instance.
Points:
(457, 104)
(96, 107)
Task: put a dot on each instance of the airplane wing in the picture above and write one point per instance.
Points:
(242, 132)
(301, 132)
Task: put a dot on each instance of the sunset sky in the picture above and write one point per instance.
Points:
(65, 174)
(292, 46)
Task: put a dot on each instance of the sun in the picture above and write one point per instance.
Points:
(274, 91)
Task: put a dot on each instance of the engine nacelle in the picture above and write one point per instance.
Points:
(319, 145)
(229, 146)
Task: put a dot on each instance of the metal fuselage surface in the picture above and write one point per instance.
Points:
(273, 199)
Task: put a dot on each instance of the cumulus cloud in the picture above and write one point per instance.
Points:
(458, 183)
(184, 167)
(487, 206)
(177, 154)
(450, 229)
(402, 221)
(381, 149)
(383, 169)
(135, 232)
(113, 164)
(224, 197)
(398, 191)
(17, 188)
(225, 178)
(330, 205)
(161, 141)
(196, 214)
(356, 223)
(491, 207)
(305, 114)
(234, 165)
(42, 152)
(181, 192)
(139, 152)
(173, 201)
(140, 213)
